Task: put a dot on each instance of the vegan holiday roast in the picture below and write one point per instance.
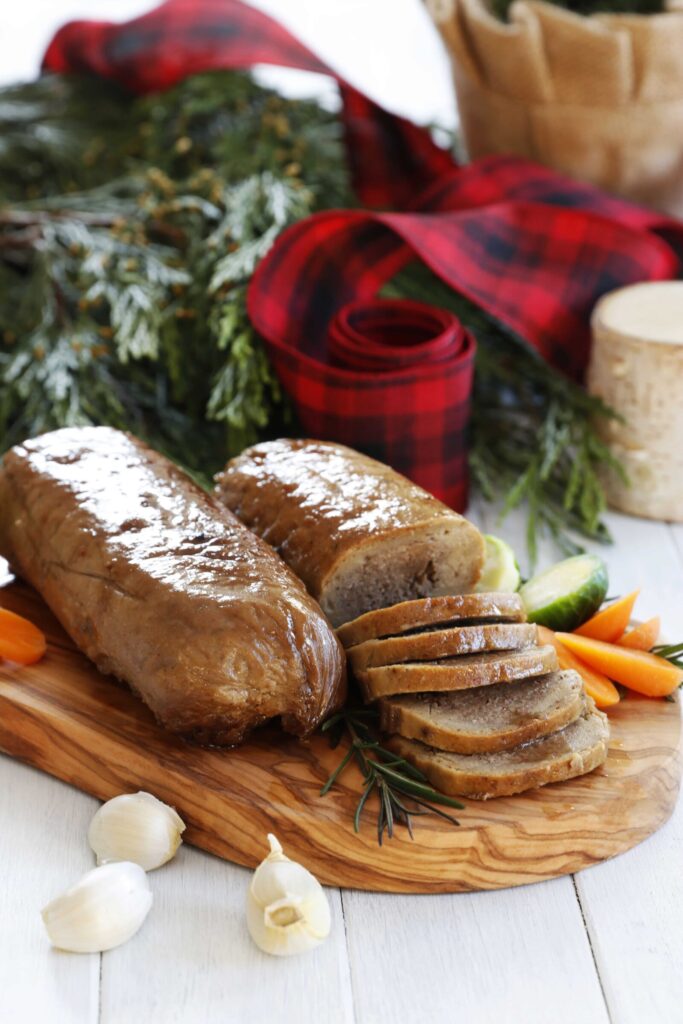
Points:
(238, 410)
(164, 587)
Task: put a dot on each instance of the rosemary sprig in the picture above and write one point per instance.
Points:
(403, 791)
(670, 652)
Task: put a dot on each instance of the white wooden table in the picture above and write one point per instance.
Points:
(603, 946)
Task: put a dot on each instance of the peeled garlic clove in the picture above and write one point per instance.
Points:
(105, 908)
(287, 910)
(136, 827)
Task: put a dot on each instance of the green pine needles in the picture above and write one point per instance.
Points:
(129, 230)
(123, 276)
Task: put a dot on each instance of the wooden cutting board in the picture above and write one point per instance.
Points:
(64, 717)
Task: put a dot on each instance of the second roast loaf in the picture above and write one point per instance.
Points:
(359, 535)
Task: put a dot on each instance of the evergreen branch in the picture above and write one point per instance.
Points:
(126, 251)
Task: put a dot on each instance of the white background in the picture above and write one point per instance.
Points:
(389, 48)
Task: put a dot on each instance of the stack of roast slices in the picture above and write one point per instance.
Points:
(467, 695)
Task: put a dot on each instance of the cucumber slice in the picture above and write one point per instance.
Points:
(501, 572)
(567, 594)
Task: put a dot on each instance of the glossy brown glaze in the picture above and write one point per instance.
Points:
(161, 586)
(326, 509)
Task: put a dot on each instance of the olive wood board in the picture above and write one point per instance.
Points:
(64, 717)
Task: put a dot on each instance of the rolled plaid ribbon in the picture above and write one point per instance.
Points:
(533, 248)
(394, 334)
(392, 377)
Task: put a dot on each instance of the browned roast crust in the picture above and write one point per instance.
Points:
(357, 533)
(163, 587)
(458, 673)
(577, 749)
(444, 643)
(449, 609)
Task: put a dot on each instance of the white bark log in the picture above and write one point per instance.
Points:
(636, 367)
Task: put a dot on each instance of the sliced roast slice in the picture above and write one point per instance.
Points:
(450, 609)
(487, 718)
(459, 673)
(443, 643)
(575, 750)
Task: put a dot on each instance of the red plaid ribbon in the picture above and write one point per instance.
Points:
(391, 159)
(531, 247)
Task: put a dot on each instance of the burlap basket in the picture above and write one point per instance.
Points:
(598, 97)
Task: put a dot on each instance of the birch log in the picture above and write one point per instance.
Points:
(636, 367)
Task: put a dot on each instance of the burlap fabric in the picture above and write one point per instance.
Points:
(598, 97)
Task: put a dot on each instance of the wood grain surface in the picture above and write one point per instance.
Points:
(66, 718)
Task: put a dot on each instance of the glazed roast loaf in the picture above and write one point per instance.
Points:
(159, 584)
(360, 535)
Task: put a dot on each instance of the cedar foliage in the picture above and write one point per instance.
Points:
(129, 229)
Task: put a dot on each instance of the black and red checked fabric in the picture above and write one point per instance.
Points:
(391, 159)
(531, 247)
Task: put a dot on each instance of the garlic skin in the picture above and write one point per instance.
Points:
(136, 827)
(105, 908)
(287, 910)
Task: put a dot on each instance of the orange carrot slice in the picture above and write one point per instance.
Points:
(610, 624)
(596, 684)
(20, 640)
(639, 670)
(642, 637)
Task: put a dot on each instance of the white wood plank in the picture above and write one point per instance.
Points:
(194, 962)
(633, 905)
(43, 850)
(676, 531)
(517, 955)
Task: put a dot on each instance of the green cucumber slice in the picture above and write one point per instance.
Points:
(501, 572)
(567, 594)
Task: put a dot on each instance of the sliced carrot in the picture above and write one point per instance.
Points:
(598, 686)
(20, 640)
(610, 623)
(639, 670)
(642, 637)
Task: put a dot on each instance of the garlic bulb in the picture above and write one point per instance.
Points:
(105, 908)
(287, 910)
(136, 827)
